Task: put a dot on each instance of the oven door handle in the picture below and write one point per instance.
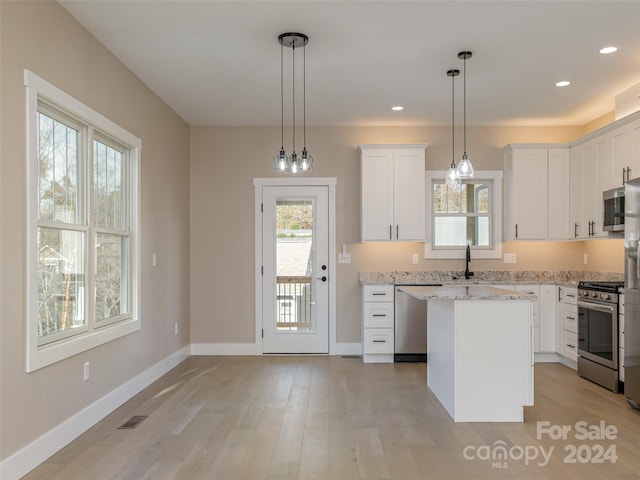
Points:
(596, 306)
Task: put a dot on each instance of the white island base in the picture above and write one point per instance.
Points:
(479, 352)
(479, 362)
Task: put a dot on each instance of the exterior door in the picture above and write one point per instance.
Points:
(295, 279)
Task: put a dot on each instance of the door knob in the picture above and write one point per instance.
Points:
(323, 278)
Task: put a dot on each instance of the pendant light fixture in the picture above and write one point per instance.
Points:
(465, 169)
(281, 161)
(452, 179)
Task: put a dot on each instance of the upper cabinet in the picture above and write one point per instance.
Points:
(625, 154)
(536, 192)
(393, 192)
(588, 161)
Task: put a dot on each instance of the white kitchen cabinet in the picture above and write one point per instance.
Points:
(535, 312)
(625, 155)
(586, 196)
(377, 323)
(567, 323)
(393, 192)
(547, 318)
(536, 192)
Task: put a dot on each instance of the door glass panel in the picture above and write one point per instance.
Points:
(294, 265)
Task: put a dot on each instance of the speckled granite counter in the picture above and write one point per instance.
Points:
(472, 292)
(559, 277)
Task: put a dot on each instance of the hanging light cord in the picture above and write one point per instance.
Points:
(464, 102)
(293, 47)
(281, 97)
(453, 120)
(304, 98)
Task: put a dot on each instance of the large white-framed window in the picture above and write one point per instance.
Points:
(469, 215)
(82, 226)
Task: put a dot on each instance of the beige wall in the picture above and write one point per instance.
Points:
(42, 37)
(224, 161)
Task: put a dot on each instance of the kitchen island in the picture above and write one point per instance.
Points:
(479, 351)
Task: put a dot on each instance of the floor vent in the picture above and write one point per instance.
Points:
(350, 356)
(133, 422)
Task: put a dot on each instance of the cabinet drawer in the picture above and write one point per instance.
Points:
(378, 293)
(570, 318)
(378, 340)
(570, 296)
(378, 315)
(570, 344)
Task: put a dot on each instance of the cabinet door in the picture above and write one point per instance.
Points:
(376, 214)
(409, 194)
(576, 228)
(527, 197)
(602, 161)
(547, 318)
(535, 312)
(634, 162)
(621, 154)
(558, 194)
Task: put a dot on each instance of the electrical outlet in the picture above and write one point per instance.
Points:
(509, 258)
(175, 328)
(154, 260)
(585, 259)
(86, 371)
(416, 259)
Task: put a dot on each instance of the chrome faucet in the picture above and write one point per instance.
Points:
(467, 273)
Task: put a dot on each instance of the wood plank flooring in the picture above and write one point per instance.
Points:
(335, 418)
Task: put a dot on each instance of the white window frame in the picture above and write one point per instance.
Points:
(39, 356)
(493, 176)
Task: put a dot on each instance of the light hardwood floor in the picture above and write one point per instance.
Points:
(336, 418)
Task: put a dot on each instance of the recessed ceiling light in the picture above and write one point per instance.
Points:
(563, 83)
(606, 50)
(397, 108)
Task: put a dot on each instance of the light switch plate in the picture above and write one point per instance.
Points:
(344, 258)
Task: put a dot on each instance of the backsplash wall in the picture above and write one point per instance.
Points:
(606, 255)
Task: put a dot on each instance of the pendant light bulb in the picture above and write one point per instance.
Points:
(465, 168)
(452, 180)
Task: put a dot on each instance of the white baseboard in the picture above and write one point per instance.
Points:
(256, 349)
(29, 457)
(226, 349)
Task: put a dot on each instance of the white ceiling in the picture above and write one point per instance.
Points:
(218, 62)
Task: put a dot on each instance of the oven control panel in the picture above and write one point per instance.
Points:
(606, 297)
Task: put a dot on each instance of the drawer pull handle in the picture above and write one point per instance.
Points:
(570, 346)
(570, 295)
(571, 318)
(379, 315)
(379, 341)
(378, 294)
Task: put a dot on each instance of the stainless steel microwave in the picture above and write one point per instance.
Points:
(613, 210)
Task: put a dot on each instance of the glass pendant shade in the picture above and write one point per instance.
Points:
(452, 180)
(306, 160)
(465, 169)
(280, 161)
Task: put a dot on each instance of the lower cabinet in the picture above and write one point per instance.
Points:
(568, 322)
(377, 323)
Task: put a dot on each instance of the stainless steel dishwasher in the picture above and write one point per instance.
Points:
(410, 326)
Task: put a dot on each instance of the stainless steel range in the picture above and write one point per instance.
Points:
(598, 332)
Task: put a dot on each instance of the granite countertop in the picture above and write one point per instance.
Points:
(559, 277)
(471, 292)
